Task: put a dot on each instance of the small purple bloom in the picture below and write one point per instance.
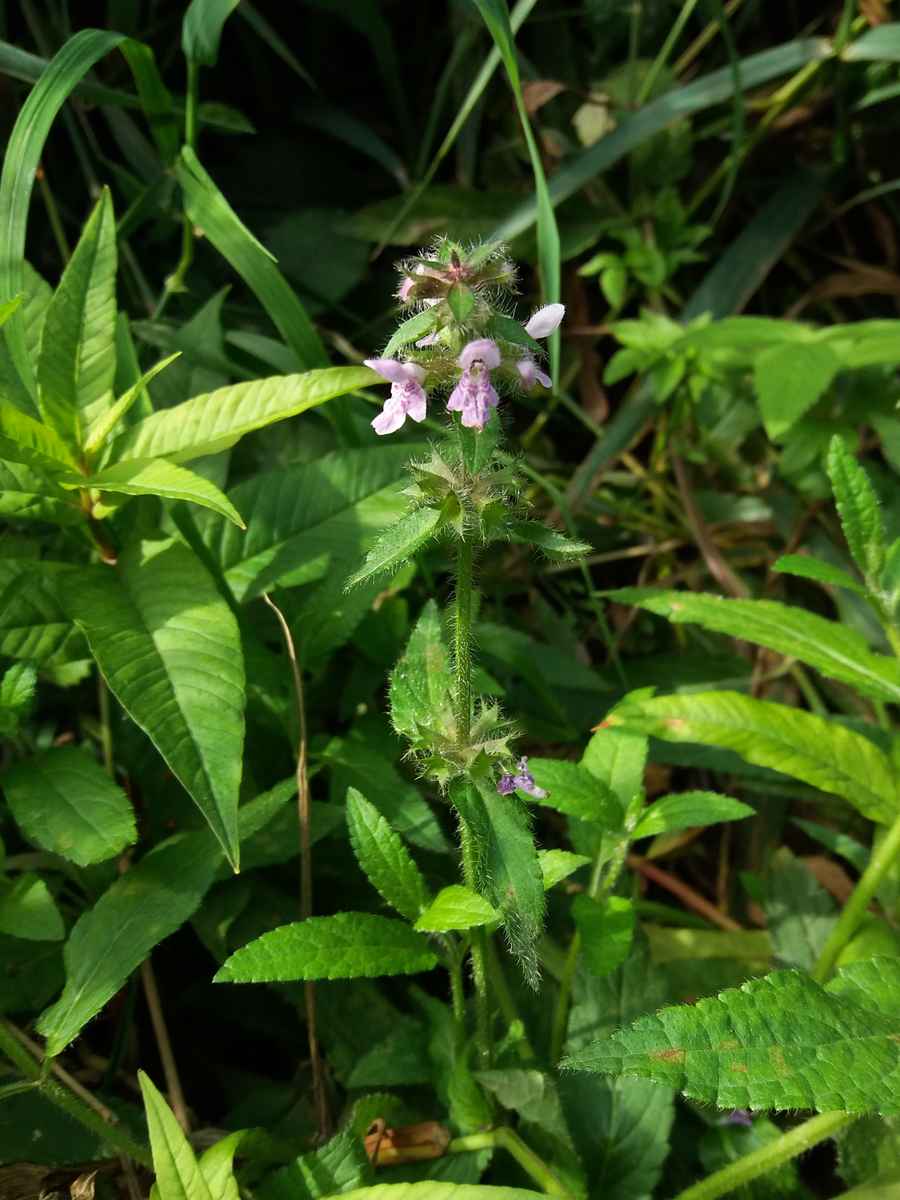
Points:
(522, 781)
(738, 1116)
(531, 374)
(474, 395)
(407, 398)
(545, 321)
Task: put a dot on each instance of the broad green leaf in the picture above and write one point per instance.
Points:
(686, 810)
(207, 207)
(100, 430)
(332, 1169)
(25, 440)
(557, 865)
(64, 802)
(77, 362)
(212, 422)
(384, 858)
(421, 683)
(553, 543)
(436, 1190)
(789, 380)
(836, 650)
(821, 572)
(607, 931)
(27, 910)
(159, 477)
(817, 751)
(574, 790)
(201, 29)
(746, 1048)
(859, 509)
(399, 543)
(178, 1176)
(618, 760)
(33, 623)
(347, 945)
(169, 647)
(112, 939)
(217, 1167)
(456, 907)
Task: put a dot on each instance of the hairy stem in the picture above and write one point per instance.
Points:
(478, 949)
(768, 1157)
(462, 642)
(854, 910)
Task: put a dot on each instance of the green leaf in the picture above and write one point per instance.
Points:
(839, 843)
(206, 206)
(607, 931)
(859, 509)
(8, 307)
(25, 440)
(574, 790)
(159, 477)
(64, 802)
(456, 907)
(214, 421)
(338, 1166)
(17, 688)
(33, 624)
(178, 1177)
(347, 945)
(77, 362)
(557, 865)
(411, 330)
(169, 647)
(789, 380)
(217, 1167)
(617, 759)
(822, 572)
(421, 683)
(398, 543)
(436, 1190)
(687, 810)
(112, 939)
(384, 858)
(554, 544)
(836, 650)
(461, 300)
(201, 29)
(27, 910)
(745, 1048)
(813, 749)
(28, 495)
(800, 914)
(100, 429)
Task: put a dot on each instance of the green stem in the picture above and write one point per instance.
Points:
(854, 910)
(768, 1157)
(478, 950)
(507, 1139)
(113, 1135)
(505, 1001)
(462, 643)
(175, 282)
(454, 969)
(662, 58)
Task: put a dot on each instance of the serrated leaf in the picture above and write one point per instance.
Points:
(178, 1177)
(687, 810)
(553, 543)
(821, 572)
(746, 1048)
(813, 749)
(77, 361)
(214, 421)
(384, 858)
(836, 650)
(456, 907)
(411, 330)
(159, 477)
(398, 543)
(789, 379)
(339, 1165)
(104, 425)
(27, 910)
(557, 865)
(859, 509)
(169, 647)
(347, 945)
(421, 683)
(607, 930)
(574, 790)
(112, 939)
(64, 802)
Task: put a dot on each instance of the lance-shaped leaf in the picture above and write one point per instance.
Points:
(421, 683)
(817, 751)
(685, 810)
(412, 328)
(178, 1176)
(77, 361)
(214, 421)
(814, 568)
(384, 858)
(435, 1190)
(777, 1042)
(456, 907)
(836, 650)
(399, 542)
(25, 440)
(348, 945)
(30, 495)
(33, 623)
(103, 426)
(859, 509)
(201, 29)
(553, 543)
(159, 477)
(169, 647)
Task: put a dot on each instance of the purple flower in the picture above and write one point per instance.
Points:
(545, 321)
(407, 398)
(531, 373)
(522, 781)
(738, 1116)
(474, 395)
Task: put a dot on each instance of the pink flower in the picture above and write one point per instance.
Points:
(531, 373)
(474, 395)
(407, 398)
(545, 321)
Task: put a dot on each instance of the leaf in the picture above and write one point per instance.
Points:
(27, 495)
(17, 688)
(822, 572)
(384, 858)
(159, 477)
(456, 907)
(214, 421)
(553, 543)
(178, 1177)
(25, 440)
(347, 945)
(104, 425)
(574, 790)
(838, 651)
(27, 910)
(112, 939)
(421, 683)
(618, 760)
(338, 1166)
(789, 379)
(813, 749)
(745, 1048)
(217, 1167)
(201, 29)
(859, 509)
(205, 205)
(687, 810)
(64, 802)
(436, 1190)
(800, 914)
(607, 930)
(557, 865)
(170, 650)
(411, 330)
(33, 624)
(398, 543)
